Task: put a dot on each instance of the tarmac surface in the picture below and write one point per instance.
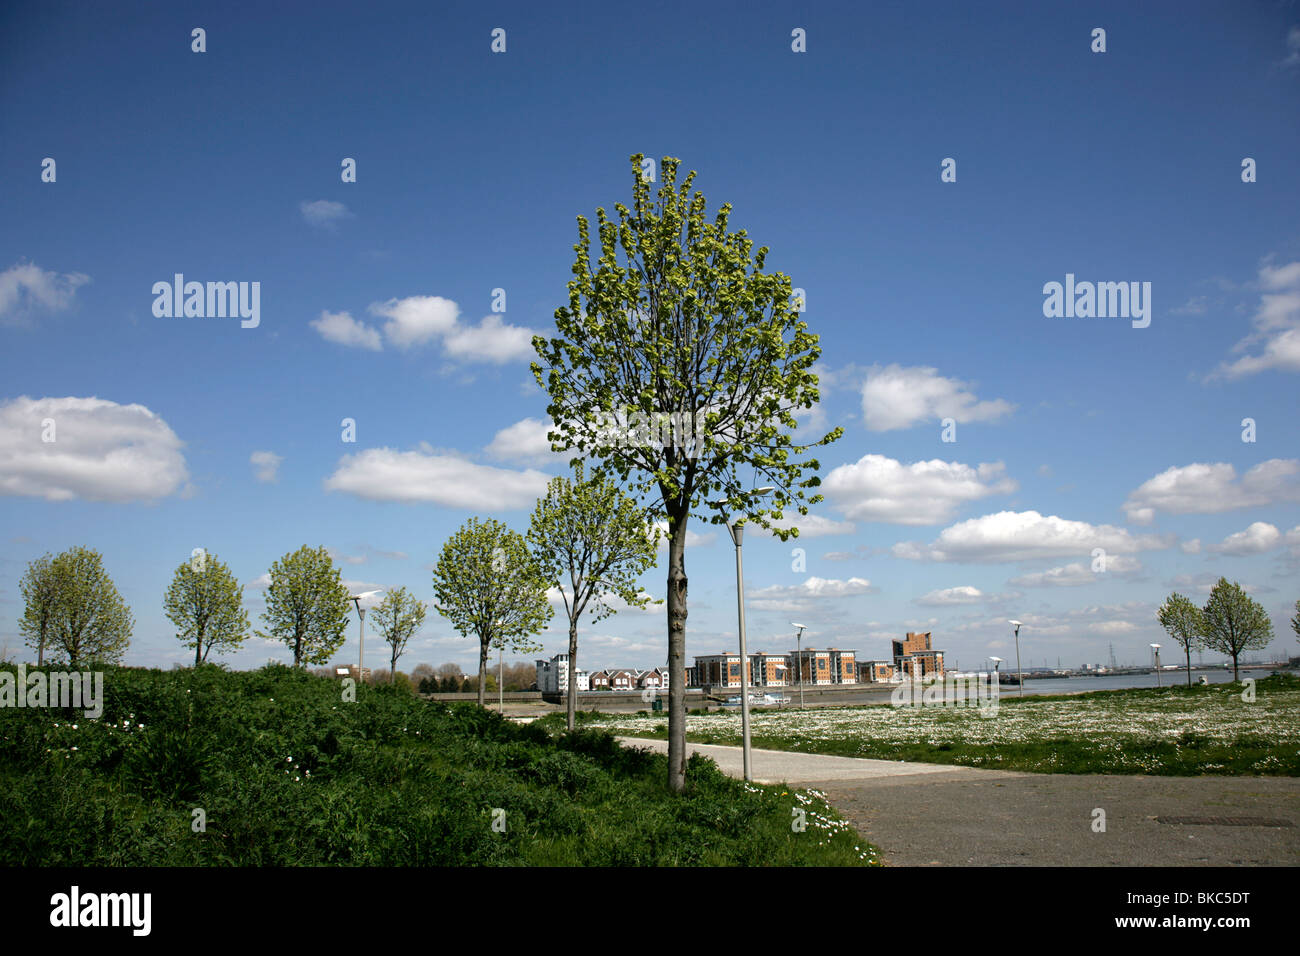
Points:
(921, 814)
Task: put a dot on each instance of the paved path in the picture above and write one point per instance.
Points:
(936, 815)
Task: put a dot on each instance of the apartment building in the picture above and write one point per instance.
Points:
(915, 658)
(721, 670)
(773, 670)
(875, 672)
(553, 676)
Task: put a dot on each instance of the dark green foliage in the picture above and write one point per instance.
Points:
(288, 774)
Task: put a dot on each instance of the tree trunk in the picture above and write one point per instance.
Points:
(1188, 649)
(392, 671)
(1234, 667)
(677, 651)
(573, 669)
(482, 671)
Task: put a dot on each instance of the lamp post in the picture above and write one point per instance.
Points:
(361, 613)
(1020, 676)
(737, 534)
(1156, 648)
(798, 653)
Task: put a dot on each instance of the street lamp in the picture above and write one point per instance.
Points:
(1156, 648)
(361, 613)
(737, 533)
(1020, 676)
(798, 653)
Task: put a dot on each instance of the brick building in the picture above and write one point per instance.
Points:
(915, 658)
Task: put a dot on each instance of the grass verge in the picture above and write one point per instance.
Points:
(204, 767)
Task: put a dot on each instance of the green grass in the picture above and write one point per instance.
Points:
(288, 774)
(1174, 731)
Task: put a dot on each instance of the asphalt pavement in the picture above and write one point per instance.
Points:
(921, 814)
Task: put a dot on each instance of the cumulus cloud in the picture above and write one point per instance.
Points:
(1212, 488)
(1256, 539)
(26, 288)
(420, 320)
(896, 397)
(266, 465)
(491, 341)
(1275, 340)
(810, 526)
(386, 474)
(417, 319)
(341, 328)
(694, 539)
(949, 597)
(800, 597)
(1011, 536)
(323, 214)
(525, 440)
(876, 488)
(1077, 574)
(100, 451)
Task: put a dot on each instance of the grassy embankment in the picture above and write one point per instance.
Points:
(287, 773)
(1177, 731)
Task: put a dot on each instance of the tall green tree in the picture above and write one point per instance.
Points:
(398, 616)
(88, 621)
(678, 366)
(1234, 622)
(1183, 621)
(205, 603)
(40, 592)
(1295, 621)
(593, 542)
(488, 584)
(307, 606)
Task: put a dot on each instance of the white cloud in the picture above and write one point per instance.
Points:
(491, 341)
(26, 287)
(323, 213)
(340, 327)
(102, 451)
(1077, 574)
(1256, 539)
(800, 596)
(385, 474)
(424, 319)
(694, 539)
(895, 397)
(876, 488)
(810, 526)
(1192, 546)
(948, 597)
(526, 441)
(1010, 536)
(1204, 488)
(1276, 326)
(417, 319)
(259, 583)
(266, 465)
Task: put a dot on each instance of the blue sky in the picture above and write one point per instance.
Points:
(376, 298)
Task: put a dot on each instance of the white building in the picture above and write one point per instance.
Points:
(553, 676)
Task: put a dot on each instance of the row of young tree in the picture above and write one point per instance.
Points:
(587, 540)
(74, 613)
(1231, 623)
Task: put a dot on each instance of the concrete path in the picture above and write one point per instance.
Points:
(935, 815)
